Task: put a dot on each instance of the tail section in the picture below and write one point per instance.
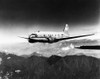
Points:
(65, 30)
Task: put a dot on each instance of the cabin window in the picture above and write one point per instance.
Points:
(62, 35)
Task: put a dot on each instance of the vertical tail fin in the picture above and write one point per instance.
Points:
(65, 30)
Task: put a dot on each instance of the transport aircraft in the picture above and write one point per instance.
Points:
(52, 37)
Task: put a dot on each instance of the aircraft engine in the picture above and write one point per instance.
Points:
(32, 35)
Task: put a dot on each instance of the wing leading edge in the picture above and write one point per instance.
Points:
(67, 38)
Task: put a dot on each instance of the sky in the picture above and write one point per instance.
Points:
(22, 17)
(45, 12)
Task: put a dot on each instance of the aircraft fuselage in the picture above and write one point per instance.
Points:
(46, 36)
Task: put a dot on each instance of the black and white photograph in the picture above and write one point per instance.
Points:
(49, 39)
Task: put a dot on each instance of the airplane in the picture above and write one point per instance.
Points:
(52, 37)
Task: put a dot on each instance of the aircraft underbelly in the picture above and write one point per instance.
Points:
(39, 39)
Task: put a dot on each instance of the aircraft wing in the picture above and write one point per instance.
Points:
(67, 38)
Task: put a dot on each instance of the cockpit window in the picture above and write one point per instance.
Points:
(33, 34)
